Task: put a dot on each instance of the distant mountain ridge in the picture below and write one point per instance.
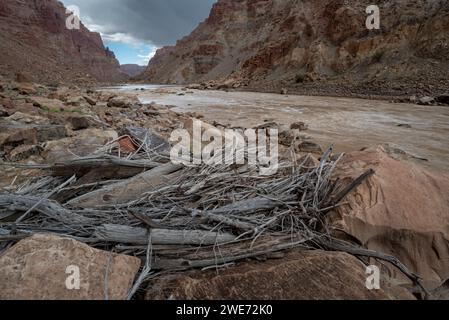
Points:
(132, 70)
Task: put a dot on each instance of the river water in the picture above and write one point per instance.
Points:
(351, 124)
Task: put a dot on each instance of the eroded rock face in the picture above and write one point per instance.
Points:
(291, 42)
(35, 269)
(310, 275)
(34, 38)
(402, 210)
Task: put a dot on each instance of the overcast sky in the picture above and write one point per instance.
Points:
(134, 29)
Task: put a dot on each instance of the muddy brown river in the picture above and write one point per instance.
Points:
(351, 124)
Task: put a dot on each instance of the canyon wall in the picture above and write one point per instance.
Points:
(132, 70)
(34, 41)
(295, 42)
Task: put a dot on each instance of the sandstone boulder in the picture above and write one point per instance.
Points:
(37, 268)
(123, 102)
(16, 135)
(402, 210)
(46, 104)
(26, 118)
(310, 275)
(50, 132)
(90, 100)
(28, 129)
(76, 101)
(84, 143)
(26, 89)
(80, 122)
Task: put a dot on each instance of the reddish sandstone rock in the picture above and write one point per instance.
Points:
(123, 102)
(313, 275)
(36, 269)
(402, 210)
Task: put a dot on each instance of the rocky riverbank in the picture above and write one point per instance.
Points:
(84, 179)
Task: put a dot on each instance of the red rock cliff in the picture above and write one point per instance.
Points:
(34, 40)
(297, 41)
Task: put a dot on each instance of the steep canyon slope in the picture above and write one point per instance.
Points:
(34, 41)
(299, 43)
(132, 70)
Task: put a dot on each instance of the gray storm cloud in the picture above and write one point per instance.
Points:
(160, 22)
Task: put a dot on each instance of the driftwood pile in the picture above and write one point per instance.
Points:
(178, 217)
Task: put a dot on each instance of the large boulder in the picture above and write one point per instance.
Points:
(123, 102)
(309, 275)
(25, 118)
(402, 210)
(80, 122)
(52, 105)
(16, 135)
(22, 130)
(26, 88)
(37, 268)
(84, 143)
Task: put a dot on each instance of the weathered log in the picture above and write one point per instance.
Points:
(144, 219)
(224, 257)
(139, 236)
(88, 162)
(244, 206)
(46, 207)
(128, 190)
(235, 223)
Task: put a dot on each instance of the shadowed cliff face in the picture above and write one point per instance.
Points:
(293, 42)
(34, 40)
